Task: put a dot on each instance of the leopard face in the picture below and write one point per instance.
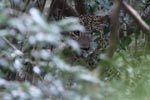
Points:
(92, 24)
(90, 52)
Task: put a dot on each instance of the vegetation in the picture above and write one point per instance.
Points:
(48, 50)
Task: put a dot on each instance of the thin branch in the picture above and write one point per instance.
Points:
(145, 27)
(40, 4)
(9, 43)
(114, 28)
(19, 52)
(145, 14)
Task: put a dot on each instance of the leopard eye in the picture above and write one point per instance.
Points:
(77, 32)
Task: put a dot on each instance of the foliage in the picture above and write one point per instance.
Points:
(26, 42)
(33, 64)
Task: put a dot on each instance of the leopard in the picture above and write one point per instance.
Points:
(94, 31)
(93, 41)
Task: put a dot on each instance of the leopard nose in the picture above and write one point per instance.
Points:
(84, 41)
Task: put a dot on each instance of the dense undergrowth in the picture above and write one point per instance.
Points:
(32, 66)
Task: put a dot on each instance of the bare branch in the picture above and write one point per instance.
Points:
(19, 52)
(115, 28)
(145, 14)
(145, 27)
